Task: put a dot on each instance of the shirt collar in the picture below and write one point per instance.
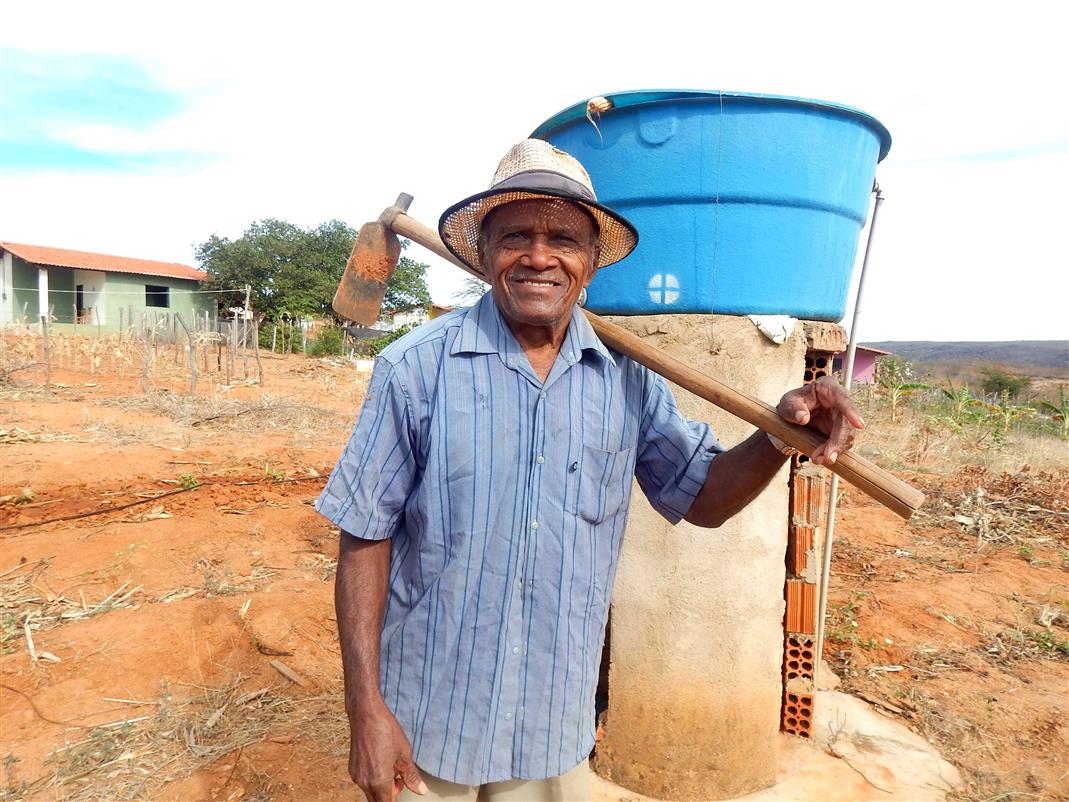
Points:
(484, 331)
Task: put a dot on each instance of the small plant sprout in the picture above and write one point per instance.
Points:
(274, 474)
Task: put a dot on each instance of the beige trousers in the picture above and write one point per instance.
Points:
(571, 787)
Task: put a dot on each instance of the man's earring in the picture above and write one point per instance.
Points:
(581, 300)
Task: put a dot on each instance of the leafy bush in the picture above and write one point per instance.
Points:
(329, 341)
(997, 382)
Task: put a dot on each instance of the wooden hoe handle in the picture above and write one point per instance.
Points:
(885, 488)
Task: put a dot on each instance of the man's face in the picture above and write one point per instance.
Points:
(538, 255)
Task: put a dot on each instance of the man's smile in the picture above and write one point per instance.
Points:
(535, 281)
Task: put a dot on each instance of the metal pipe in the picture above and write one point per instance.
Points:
(833, 493)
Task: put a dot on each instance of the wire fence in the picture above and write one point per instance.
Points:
(150, 344)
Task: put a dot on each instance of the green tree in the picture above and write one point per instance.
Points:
(998, 381)
(295, 271)
(407, 286)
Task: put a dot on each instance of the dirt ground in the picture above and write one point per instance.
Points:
(185, 641)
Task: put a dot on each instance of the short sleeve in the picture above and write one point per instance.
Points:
(367, 490)
(673, 453)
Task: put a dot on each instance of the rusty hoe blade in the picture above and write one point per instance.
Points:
(363, 284)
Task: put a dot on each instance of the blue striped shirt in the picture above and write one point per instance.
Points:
(506, 499)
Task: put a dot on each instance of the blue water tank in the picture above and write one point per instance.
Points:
(744, 203)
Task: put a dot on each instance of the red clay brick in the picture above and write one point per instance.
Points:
(801, 616)
(800, 541)
(809, 495)
(797, 714)
(797, 658)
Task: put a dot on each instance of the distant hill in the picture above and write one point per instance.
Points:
(1033, 357)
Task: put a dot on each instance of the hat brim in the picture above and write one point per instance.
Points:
(459, 224)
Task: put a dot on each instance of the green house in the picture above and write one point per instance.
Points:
(76, 288)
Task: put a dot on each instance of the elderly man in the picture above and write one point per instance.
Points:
(482, 500)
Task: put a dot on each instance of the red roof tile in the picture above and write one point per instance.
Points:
(61, 257)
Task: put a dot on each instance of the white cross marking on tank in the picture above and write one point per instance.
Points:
(664, 288)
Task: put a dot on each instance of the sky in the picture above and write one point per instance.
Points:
(141, 129)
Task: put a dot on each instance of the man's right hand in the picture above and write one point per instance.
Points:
(380, 756)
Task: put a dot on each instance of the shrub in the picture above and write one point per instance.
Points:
(997, 382)
(329, 341)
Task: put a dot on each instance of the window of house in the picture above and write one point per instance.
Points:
(157, 296)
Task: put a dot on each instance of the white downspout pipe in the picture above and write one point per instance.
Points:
(848, 377)
(42, 294)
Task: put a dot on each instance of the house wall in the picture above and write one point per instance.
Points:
(61, 294)
(105, 292)
(23, 290)
(126, 291)
(864, 367)
(417, 316)
(695, 682)
(93, 295)
(7, 295)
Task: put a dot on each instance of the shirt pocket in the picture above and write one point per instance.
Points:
(604, 484)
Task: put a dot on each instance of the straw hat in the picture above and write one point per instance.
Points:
(535, 169)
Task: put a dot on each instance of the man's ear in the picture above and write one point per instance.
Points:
(593, 263)
(480, 251)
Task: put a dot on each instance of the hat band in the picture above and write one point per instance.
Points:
(544, 181)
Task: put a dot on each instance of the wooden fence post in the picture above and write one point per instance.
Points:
(256, 347)
(232, 350)
(192, 353)
(245, 347)
(146, 356)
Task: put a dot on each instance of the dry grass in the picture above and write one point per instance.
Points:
(999, 508)
(259, 415)
(323, 566)
(134, 758)
(17, 435)
(27, 607)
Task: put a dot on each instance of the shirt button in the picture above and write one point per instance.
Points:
(540, 459)
(534, 524)
(508, 717)
(543, 395)
(515, 649)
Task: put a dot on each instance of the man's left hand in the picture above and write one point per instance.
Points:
(824, 405)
